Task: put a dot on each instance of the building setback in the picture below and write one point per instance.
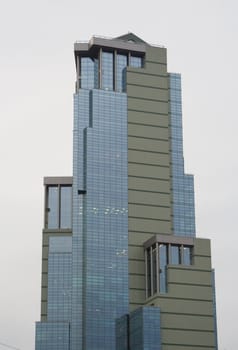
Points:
(122, 268)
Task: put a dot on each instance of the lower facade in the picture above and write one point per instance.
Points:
(178, 311)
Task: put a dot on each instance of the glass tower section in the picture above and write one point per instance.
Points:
(140, 330)
(52, 336)
(182, 184)
(59, 277)
(55, 334)
(100, 213)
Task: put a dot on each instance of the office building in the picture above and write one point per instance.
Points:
(121, 265)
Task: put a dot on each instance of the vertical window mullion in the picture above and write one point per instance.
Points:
(46, 208)
(181, 255)
(59, 206)
(157, 266)
(100, 68)
(146, 275)
(151, 271)
(169, 253)
(114, 70)
(78, 81)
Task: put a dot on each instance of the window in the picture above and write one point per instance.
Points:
(135, 61)
(107, 69)
(175, 257)
(163, 261)
(187, 255)
(58, 207)
(53, 206)
(158, 256)
(121, 64)
(89, 73)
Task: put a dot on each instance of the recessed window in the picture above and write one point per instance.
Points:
(107, 70)
(58, 207)
(158, 256)
(135, 61)
(175, 254)
(187, 255)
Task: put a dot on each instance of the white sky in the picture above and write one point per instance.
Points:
(37, 76)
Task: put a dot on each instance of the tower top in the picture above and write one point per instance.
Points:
(131, 37)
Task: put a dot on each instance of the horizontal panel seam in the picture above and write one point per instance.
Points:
(184, 299)
(156, 62)
(148, 218)
(149, 164)
(147, 191)
(191, 268)
(190, 284)
(148, 112)
(149, 74)
(148, 86)
(145, 232)
(149, 138)
(190, 345)
(186, 314)
(189, 329)
(150, 205)
(147, 99)
(149, 125)
(147, 151)
(149, 177)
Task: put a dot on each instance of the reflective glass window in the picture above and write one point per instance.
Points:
(154, 270)
(175, 255)
(187, 255)
(148, 273)
(87, 73)
(53, 207)
(96, 73)
(52, 336)
(65, 206)
(163, 259)
(121, 64)
(182, 184)
(107, 70)
(136, 61)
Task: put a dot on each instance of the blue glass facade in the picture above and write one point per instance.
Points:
(140, 330)
(55, 334)
(59, 279)
(182, 184)
(100, 223)
(122, 332)
(52, 336)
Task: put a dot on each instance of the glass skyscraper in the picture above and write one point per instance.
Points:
(121, 265)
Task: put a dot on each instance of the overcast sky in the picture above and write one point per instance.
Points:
(37, 77)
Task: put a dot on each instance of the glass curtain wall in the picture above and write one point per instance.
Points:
(182, 184)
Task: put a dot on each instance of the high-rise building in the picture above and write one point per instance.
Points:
(121, 265)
